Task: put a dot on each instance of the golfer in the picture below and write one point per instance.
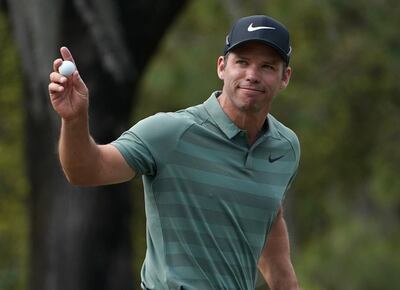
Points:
(215, 175)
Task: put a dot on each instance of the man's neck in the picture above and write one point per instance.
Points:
(253, 123)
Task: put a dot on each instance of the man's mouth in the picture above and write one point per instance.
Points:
(251, 88)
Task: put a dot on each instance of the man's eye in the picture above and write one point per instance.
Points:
(269, 67)
(241, 61)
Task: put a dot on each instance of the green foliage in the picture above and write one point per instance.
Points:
(352, 256)
(346, 202)
(13, 187)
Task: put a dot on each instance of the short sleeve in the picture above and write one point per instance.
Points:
(136, 153)
(148, 144)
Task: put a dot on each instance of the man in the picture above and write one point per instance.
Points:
(214, 175)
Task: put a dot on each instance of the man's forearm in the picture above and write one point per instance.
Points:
(281, 276)
(77, 150)
(275, 263)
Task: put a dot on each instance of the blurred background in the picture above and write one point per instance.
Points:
(142, 57)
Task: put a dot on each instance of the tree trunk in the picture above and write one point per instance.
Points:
(80, 237)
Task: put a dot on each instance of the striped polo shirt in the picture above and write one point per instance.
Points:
(210, 198)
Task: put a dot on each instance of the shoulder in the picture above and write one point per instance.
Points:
(165, 127)
(286, 133)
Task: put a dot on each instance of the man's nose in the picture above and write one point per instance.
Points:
(252, 75)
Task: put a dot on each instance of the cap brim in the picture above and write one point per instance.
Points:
(281, 53)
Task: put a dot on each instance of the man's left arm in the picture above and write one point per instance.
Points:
(275, 264)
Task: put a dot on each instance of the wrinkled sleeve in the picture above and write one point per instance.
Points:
(136, 152)
(139, 145)
(147, 146)
(296, 148)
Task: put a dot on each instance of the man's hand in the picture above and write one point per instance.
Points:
(69, 96)
(84, 162)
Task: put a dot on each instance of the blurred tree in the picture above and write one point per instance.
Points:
(13, 187)
(80, 238)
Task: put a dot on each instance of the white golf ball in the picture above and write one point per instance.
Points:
(67, 68)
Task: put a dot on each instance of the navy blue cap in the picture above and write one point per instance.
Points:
(263, 29)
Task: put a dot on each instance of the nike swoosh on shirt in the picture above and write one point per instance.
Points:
(272, 160)
(252, 28)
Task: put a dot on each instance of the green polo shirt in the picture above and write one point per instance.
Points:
(210, 199)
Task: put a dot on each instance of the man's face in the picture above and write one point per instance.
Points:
(253, 74)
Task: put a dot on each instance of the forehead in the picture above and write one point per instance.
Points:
(254, 49)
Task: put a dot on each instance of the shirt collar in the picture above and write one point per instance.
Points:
(272, 130)
(229, 128)
(222, 120)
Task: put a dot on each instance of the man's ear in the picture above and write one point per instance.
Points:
(286, 77)
(221, 67)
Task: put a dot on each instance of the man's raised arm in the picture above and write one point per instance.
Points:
(83, 161)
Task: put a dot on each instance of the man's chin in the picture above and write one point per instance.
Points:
(250, 107)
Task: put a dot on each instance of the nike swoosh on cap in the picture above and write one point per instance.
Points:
(251, 28)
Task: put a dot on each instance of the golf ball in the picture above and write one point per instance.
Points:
(67, 68)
